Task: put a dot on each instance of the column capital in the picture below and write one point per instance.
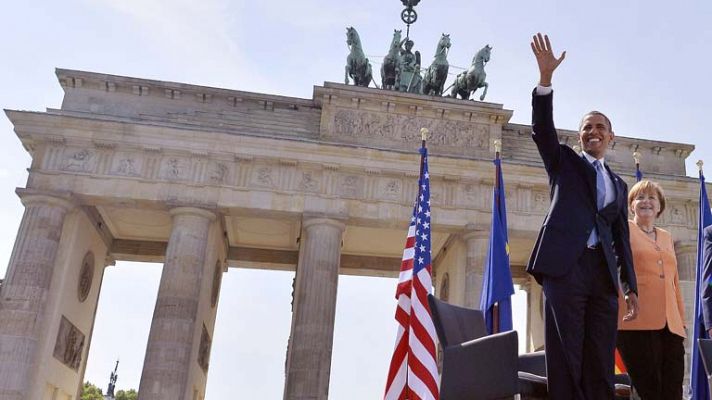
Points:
(200, 212)
(685, 246)
(472, 231)
(308, 221)
(109, 260)
(30, 196)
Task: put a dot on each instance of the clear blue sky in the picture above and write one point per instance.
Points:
(645, 63)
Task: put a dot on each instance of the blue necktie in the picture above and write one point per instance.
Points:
(600, 184)
(600, 199)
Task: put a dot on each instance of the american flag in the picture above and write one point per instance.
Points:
(413, 373)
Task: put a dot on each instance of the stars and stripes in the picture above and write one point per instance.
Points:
(413, 373)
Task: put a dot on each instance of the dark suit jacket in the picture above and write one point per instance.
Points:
(573, 212)
(705, 287)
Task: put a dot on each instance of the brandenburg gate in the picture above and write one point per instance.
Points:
(204, 179)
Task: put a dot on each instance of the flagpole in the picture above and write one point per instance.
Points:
(423, 137)
(698, 379)
(636, 158)
(497, 150)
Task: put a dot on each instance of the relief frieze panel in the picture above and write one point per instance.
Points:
(540, 201)
(69, 345)
(309, 181)
(437, 194)
(216, 173)
(175, 168)
(401, 131)
(126, 164)
(264, 176)
(350, 186)
(79, 160)
(467, 195)
(679, 213)
(389, 189)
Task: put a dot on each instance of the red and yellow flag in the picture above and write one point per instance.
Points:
(620, 366)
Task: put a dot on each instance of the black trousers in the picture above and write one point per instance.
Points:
(655, 361)
(581, 320)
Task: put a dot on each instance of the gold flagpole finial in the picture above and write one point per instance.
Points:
(636, 157)
(700, 163)
(497, 145)
(424, 133)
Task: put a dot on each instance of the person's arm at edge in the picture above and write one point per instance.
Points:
(621, 238)
(543, 129)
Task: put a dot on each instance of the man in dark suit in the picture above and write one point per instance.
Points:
(706, 284)
(583, 249)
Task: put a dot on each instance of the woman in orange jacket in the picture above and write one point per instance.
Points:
(652, 344)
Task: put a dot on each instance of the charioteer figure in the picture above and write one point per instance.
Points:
(409, 79)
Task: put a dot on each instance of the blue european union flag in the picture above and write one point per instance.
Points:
(638, 175)
(698, 378)
(497, 286)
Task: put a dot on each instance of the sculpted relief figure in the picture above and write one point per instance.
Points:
(69, 344)
(78, 161)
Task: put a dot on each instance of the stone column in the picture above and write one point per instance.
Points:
(168, 360)
(686, 254)
(535, 314)
(477, 245)
(25, 291)
(309, 358)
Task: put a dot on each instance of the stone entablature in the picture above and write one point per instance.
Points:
(339, 114)
(67, 158)
(324, 169)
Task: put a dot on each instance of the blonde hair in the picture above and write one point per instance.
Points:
(646, 186)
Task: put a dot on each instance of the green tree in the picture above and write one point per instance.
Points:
(91, 392)
(130, 394)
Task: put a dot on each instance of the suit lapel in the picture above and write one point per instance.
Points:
(589, 175)
(618, 186)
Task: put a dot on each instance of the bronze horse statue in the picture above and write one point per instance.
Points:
(436, 74)
(469, 81)
(357, 66)
(391, 62)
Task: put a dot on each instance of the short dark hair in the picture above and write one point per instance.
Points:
(594, 112)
